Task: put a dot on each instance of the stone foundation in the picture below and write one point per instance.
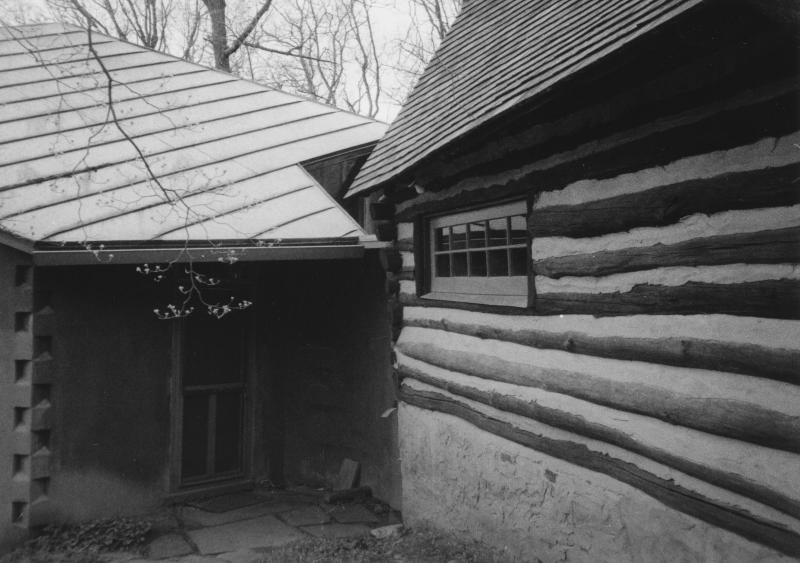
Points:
(459, 478)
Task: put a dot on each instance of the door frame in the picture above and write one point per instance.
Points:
(176, 409)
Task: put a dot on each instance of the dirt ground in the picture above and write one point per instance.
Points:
(411, 546)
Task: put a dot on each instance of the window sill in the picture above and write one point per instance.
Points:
(502, 300)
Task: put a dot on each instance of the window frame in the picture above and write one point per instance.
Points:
(510, 290)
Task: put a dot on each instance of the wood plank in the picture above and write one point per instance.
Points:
(579, 423)
(679, 498)
(775, 299)
(778, 363)
(765, 247)
(665, 205)
(348, 476)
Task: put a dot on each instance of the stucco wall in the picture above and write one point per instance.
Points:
(537, 507)
(111, 399)
(320, 365)
(334, 340)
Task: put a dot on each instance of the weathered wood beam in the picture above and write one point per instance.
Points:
(674, 496)
(667, 204)
(765, 247)
(775, 299)
(581, 425)
(780, 364)
(669, 394)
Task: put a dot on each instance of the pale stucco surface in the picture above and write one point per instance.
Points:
(460, 478)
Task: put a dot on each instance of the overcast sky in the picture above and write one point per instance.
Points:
(390, 22)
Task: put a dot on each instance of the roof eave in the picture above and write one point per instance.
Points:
(75, 255)
(15, 242)
(398, 171)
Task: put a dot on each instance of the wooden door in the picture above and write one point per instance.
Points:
(213, 390)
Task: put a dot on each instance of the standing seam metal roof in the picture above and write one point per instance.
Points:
(498, 54)
(225, 152)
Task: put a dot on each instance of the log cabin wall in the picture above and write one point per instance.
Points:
(645, 406)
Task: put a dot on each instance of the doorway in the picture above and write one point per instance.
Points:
(212, 397)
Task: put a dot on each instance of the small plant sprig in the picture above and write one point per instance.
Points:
(192, 290)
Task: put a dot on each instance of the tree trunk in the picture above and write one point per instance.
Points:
(219, 36)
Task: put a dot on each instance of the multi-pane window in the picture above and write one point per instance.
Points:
(488, 248)
(479, 254)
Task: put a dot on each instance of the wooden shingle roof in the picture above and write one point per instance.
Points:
(221, 154)
(498, 54)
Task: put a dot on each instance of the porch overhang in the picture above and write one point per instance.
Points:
(97, 253)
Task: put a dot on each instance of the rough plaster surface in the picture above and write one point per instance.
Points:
(460, 478)
(89, 494)
(773, 469)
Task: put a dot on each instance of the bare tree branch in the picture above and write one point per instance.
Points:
(287, 53)
(90, 19)
(237, 43)
(219, 31)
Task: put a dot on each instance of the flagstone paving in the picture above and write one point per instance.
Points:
(196, 518)
(189, 534)
(306, 516)
(264, 531)
(336, 531)
(353, 513)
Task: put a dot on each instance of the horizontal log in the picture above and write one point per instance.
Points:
(656, 143)
(405, 245)
(691, 227)
(583, 115)
(674, 496)
(765, 247)
(762, 154)
(691, 399)
(584, 424)
(665, 205)
(406, 275)
(670, 276)
(411, 300)
(677, 345)
(775, 299)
